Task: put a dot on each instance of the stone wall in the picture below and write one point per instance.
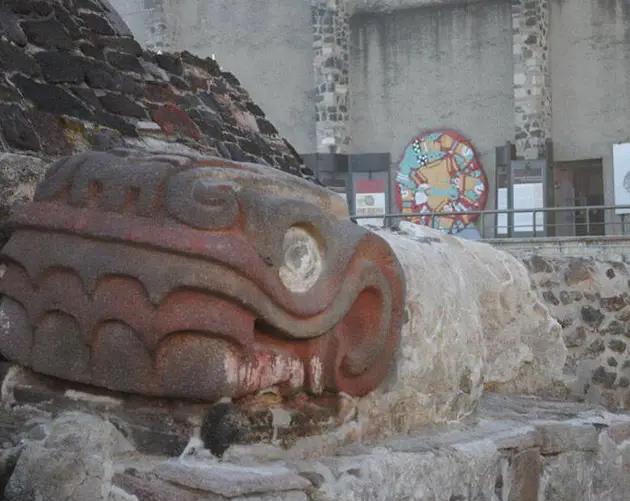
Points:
(590, 299)
(73, 79)
(607, 248)
(532, 79)
(331, 39)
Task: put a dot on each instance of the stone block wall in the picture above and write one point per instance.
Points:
(532, 78)
(519, 449)
(331, 32)
(73, 78)
(591, 300)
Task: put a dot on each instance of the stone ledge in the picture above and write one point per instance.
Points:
(515, 448)
(558, 241)
(231, 481)
(162, 427)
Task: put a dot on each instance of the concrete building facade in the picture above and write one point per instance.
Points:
(360, 77)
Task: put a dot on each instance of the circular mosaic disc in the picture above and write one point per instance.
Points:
(440, 172)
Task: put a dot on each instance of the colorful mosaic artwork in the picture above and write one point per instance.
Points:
(440, 172)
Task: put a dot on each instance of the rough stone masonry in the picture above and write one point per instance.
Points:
(589, 298)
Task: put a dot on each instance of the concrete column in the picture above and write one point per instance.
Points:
(532, 82)
(331, 34)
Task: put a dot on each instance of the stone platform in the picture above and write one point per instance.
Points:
(511, 449)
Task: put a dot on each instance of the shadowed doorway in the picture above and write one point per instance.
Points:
(579, 184)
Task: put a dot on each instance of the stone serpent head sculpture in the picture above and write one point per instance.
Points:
(196, 277)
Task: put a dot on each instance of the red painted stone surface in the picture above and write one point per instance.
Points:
(175, 122)
(161, 275)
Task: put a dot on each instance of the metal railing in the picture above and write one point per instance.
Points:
(584, 220)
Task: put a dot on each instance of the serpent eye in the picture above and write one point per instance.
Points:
(302, 260)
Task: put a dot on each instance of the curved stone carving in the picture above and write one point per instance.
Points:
(474, 322)
(196, 277)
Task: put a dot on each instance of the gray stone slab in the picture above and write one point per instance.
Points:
(557, 437)
(230, 480)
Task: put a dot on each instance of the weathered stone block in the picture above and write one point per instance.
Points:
(255, 110)
(592, 316)
(94, 5)
(47, 33)
(559, 437)
(17, 129)
(231, 481)
(160, 92)
(52, 137)
(523, 476)
(51, 98)
(99, 75)
(96, 23)
(619, 430)
(616, 328)
(469, 471)
(614, 303)
(9, 94)
(61, 67)
(595, 348)
(576, 337)
(209, 100)
(236, 153)
(148, 487)
(13, 59)
(117, 43)
(88, 96)
(171, 63)
(124, 61)
(550, 298)
(115, 122)
(10, 27)
(176, 122)
(74, 462)
(19, 175)
(37, 7)
(208, 64)
(92, 51)
(179, 83)
(67, 20)
(579, 270)
(603, 377)
(121, 105)
(208, 122)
